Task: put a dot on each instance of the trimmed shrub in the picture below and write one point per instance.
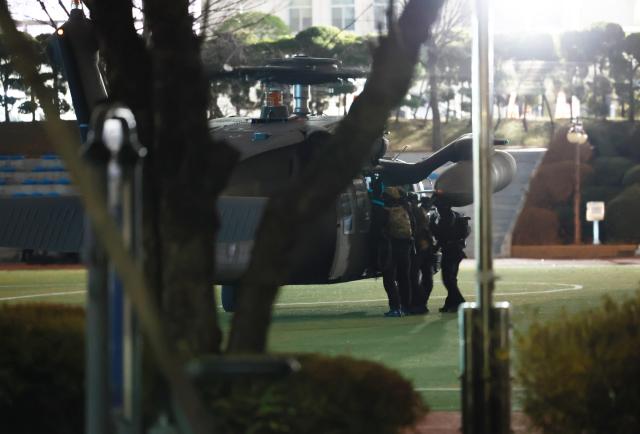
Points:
(536, 226)
(622, 216)
(329, 395)
(41, 369)
(581, 373)
(599, 193)
(612, 139)
(631, 176)
(610, 170)
(42, 386)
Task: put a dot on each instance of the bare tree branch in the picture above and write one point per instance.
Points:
(109, 235)
(287, 213)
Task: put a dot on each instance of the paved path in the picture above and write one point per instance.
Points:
(449, 422)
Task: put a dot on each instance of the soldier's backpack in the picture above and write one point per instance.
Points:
(461, 227)
(399, 223)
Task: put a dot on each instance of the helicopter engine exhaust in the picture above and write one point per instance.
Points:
(455, 185)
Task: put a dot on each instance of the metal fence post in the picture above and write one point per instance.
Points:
(124, 197)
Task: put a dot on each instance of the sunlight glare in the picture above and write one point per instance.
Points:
(527, 16)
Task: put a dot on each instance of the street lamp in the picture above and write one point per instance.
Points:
(577, 136)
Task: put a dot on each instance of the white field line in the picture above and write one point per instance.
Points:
(454, 389)
(563, 287)
(49, 294)
(42, 285)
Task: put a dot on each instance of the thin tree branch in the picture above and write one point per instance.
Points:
(108, 233)
(287, 214)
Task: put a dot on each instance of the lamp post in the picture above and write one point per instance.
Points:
(578, 137)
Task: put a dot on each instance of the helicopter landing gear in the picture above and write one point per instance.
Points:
(228, 296)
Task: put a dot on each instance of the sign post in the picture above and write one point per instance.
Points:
(595, 214)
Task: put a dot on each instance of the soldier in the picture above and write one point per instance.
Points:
(451, 233)
(398, 231)
(422, 261)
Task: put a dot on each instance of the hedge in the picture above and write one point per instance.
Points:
(581, 373)
(632, 176)
(622, 216)
(42, 386)
(329, 395)
(41, 369)
(536, 226)
(610, 170)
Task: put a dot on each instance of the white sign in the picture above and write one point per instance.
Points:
(595, 211)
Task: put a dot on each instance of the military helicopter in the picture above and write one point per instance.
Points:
(274, 148)
(277, 145)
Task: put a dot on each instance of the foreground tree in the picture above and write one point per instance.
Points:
(162, 80)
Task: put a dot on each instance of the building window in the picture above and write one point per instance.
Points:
(343, 14)
(299, 15)
(380, 14)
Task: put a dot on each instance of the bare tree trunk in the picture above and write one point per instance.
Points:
(317, 188)
(5, 103)
(436, 124)
(548, 107)
(632, 96)
(525, 125)
(426, 115)
(214, 108)
(434, 100)
(446, 116)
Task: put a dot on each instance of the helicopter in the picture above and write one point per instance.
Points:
(276, 146)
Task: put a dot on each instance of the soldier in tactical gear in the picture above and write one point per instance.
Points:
(451, 233)
(398, 232)
(422, 260)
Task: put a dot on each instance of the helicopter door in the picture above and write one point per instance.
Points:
(352, 233)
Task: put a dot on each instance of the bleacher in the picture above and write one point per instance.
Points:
(22, 176)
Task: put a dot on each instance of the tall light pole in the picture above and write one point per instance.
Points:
(578, 137)
(486, 402)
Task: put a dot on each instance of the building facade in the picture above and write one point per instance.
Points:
(511, 16)
(359, 16)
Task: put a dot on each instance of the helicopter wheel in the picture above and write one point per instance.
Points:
(228, 296)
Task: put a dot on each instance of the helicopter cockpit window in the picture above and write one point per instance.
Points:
(346, 213)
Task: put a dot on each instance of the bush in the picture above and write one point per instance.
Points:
(622, 216)
(610, 170)
(631, 176)
(612, 139)
(41, 369)
(329, 395)
(42, 386)
(536, 226)
(599, 193)
(581, 374)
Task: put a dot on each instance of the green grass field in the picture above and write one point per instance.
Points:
(347, 318)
